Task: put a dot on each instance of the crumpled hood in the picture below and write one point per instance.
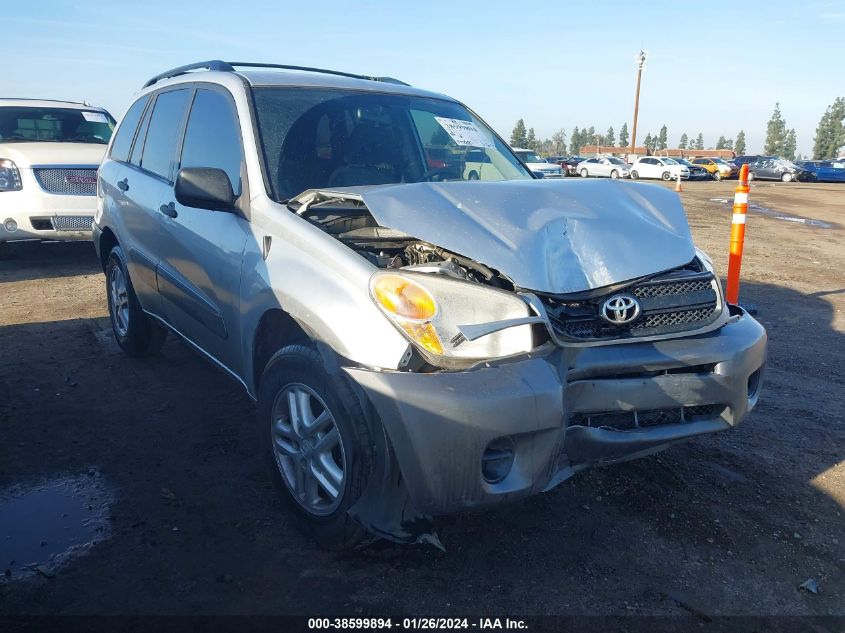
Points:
(552, 236)
(27, 154)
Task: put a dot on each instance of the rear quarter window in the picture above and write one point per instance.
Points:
(126, 132)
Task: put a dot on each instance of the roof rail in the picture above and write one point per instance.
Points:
(219, 65)
(213, 64)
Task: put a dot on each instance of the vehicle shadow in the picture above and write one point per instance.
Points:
(26, 261)
(725, 524)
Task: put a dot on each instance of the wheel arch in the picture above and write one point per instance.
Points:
(276, 329)
(108, 240)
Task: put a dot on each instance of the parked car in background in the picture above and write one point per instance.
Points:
(537, 164)
(825, 170)
(778, 169)
(696, 172)
(747, 159)
(609, 166)
(417, 346)
(49, 155)
(658, 167)
(716, 167)
(570, 165)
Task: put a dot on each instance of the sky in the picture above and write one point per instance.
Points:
(713, 67)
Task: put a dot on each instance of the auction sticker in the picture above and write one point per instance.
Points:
(464, 133)
(94, 117)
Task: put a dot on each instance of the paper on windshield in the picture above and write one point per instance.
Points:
(95, 117)
(464, 133)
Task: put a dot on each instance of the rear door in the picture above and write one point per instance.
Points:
(199, 271)
(120, 186)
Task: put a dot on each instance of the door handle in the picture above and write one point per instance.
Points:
(169, 210)
(123, 185)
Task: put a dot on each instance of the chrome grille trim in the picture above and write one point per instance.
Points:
(678, 301)
(72, 222)
(69, 181)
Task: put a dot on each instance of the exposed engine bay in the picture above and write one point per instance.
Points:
(351, 223)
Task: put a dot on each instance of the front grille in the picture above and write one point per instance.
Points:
(72, 222)
(68, 181)
(680, 300)
(628, 420)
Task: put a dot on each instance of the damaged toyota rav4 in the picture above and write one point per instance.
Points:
(426, 327)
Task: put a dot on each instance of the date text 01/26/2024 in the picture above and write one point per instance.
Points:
(413, 624)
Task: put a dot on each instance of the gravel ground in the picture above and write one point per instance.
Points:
(727, 524)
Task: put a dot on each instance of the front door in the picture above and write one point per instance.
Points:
(199, 269)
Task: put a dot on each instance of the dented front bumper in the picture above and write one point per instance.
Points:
(561, 411)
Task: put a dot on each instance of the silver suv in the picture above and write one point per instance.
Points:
(420, 338)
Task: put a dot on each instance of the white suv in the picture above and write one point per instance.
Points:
(49, 155)
(658, 167)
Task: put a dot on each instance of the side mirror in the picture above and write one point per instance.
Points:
(204, 188)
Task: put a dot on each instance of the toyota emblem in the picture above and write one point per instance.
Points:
(620, 309)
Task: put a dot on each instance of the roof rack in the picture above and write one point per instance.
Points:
(219, 65)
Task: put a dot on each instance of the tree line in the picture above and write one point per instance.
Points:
(581, 136)
(780, 140)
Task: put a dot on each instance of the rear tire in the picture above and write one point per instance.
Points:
(750, 176)
(135, 332)
(320, 484)
(584, 173)
(473, 175)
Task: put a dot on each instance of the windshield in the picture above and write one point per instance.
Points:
(719, 161)
(54, 125)
(318, 138)
(669, 161)
(617, 161)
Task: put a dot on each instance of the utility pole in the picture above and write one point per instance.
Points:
(640, 61)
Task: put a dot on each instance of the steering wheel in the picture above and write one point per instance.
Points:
(441, 173)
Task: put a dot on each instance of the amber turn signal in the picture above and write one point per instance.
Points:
(403, 297)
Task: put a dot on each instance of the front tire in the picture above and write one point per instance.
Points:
(634, 174)
(584, 173)
(614, 174)
(135, 332)
(666, 176)
(717, 175)
(317, 439)
(787, 177)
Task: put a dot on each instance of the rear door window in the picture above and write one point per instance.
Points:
(212, 137)
(126, 132)
(163, 133)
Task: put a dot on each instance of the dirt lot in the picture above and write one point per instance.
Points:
(729, 524)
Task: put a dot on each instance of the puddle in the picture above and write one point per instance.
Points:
(44, 526)
(788, 217)
(779, 215)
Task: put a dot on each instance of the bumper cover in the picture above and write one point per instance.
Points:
(36, 212)
(440, 424)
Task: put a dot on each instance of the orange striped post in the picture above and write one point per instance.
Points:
(737, 235)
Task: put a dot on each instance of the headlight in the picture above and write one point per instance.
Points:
(10, 177)
(429, 309)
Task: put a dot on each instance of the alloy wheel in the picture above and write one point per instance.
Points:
(308, 449)
(119, 300)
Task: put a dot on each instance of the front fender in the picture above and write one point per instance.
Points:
(319, 282)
